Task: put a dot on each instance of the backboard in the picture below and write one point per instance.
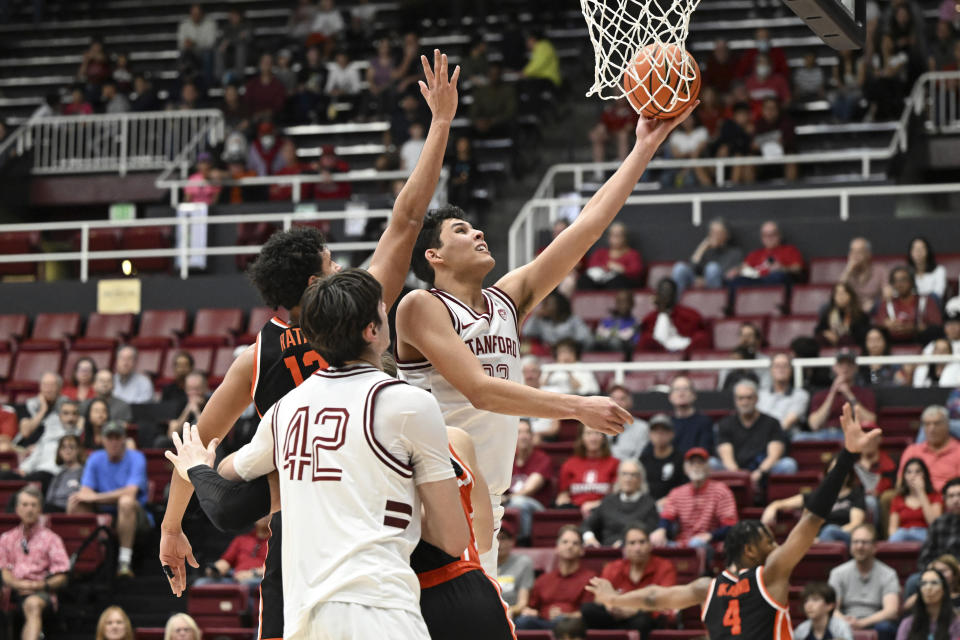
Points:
(839, 23)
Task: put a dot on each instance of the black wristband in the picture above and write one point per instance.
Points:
(820, 501)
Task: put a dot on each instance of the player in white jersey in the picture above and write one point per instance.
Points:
(461, 341)
(358, 453)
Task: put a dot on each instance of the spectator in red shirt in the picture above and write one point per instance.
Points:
(916, 505)
(242, 562)
(588, 475)
(81, 381)
(765, 84)
(78, 104)
(34, 563)
(699, 513)
(530, 485)
(671, 326)
(291, 167)
(778, 59)
(774, 263)
(618, 266)
(559, 593)
(617, 123)
(940, 452)
(638, 568)
(265, 95)
(719, 69)
(907, 316)
(825, 406)
(264, 155)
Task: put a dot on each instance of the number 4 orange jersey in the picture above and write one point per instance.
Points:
(740, 608)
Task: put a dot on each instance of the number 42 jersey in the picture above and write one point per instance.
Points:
(740, 608)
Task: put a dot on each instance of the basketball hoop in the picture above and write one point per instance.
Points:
(633, 44)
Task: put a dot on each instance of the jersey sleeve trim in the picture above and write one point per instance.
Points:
(706, 604)
(766, 595)
(473, 314)
(440, 295)
(400, 468)
(255, 378)
(505, 297)
(467, 470)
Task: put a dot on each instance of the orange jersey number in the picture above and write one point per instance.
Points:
(732, 617)
(309, 358)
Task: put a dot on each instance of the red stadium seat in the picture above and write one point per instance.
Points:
(74, 530)
(726, 333)
(657, 271)
(607, 634)
(558, 451)
(229, 633)
(214, 327)
(158, 474)
(739, 483)
(12, 243)
(642, 303)
(9, 488)
(13, 327)
(534, 635)
(105, 330)
(148, 238)
(689, 563)
(202, 361)
(101, 240)
(783, 330)
(759, 301)
(222, 360)
(52, 330)
(9, 461)
(818, 561)
(786, 485)
(218, 605)
(6, 365)
(889, 262)
(569, 430)
(9, 521)
(149, 633)
(28, 368)
(703, 380)
(103, 358)
(596, 558)
(894, 446)
(826, 270)
(605, 378)
(150, 361)
(259, 316)
(640, 381)
(160, 328)
(902, 556)
(710, 303)
(546, 524)
(905, 349)
(593, 306)
(541, 557)
(812, 456)
(951, 263)
(806, 299)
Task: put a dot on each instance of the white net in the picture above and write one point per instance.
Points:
(632, 48)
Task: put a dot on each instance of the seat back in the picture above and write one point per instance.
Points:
(783, 330)
(28, 368)
(158, 474)
(690, 563)
(819, 560)
(161, 325)
(787, 485)
(806, 299)
(547, 523)
(55, 326)
(13, 326)
(759, 301)
(826, 270)
(596, 558)
(218, 605)
(103, 358)
(710, 303)
(74, 529)
(110, 326)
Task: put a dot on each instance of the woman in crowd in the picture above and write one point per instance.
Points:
(930, 277)
(70, 458)
(842, 320)
(114, 624)
(916, 504)
(92, 422)
(933, 616)
(180, 626)
(945, 375)
(591, 459)
(615, 266)
(877, 343)
(948, 566)
(81, 382)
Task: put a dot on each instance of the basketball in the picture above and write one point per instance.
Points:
(662, 81)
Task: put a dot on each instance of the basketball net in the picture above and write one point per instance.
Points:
(621, 29)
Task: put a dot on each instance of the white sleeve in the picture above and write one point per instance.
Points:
(255, 458)
(409, 421)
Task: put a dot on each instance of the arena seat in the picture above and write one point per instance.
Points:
(6, 365)
(558, 451)
(819, 560)
(15, 243)
(258, 317)
(158, 474)
(9, 488)
(902, 556)
(13, 327)
(103, 358)
(541, 557)
(52, 331)
(893, 446)
(593, 306)
(656, 271)
(9, 521)
(865, 634)
(782, 331)
(709, 303)
(214, 327)
(101, 240)
(786, 485)
(148, 238)
(220, 605)
(826, 270)
(149, 633)
(811, 455)
(229, 633)
(29, 366)
(222, 360)
(806, 299)
(690, 563)
(609, 634)
(160, 328)
(104, 331)
(534, 635)
(150, 360)
(596, 558)
(739, 483)
(759, 301)
(74, 530)
(951, 263)
(9, 461)
(702, 380)
(726, 333)
(546, 523)
(640, 381)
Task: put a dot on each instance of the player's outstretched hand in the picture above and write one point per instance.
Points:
(175, 552)
(855, 439)
(603, 592)
(603, 414)
(440, 91)
(655, 130)
(190, 451)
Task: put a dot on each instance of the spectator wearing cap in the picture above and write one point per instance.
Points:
(514, 571)
(752, 441)
(907, 315)
(691, 427)
(629, 444)
(34, 563)
(559, 593)
(699, 513)
(201, 185)
(41, 409)
(264, 155)
(128, 384)
(637, 569)
(662, 462)
(783, 401)
(940, 451)
(589, 474)
(826, 406)
(532, 478)
(672, 326)
(115, 481)
(628, 504)
(265, 93)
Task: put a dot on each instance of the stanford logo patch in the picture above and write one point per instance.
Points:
(503, 314)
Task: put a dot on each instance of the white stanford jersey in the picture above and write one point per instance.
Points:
(494, 338)
(350, 445)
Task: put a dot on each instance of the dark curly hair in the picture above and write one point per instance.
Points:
(429, 238)
(739, 536)
(284, 266)
(354, 297)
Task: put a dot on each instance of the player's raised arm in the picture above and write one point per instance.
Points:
(424, 323)
(391, 259)
(529, 284)
(462, 444)
(652, 598)
(819, 503)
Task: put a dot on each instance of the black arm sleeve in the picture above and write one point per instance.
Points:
(231, 506)
(820, 501)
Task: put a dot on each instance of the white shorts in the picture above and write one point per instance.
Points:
(350, 621)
